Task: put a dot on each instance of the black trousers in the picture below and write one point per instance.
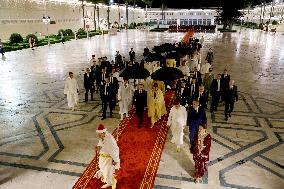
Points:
(229, 107)
(107, 101)
(140, 112)
(215, 100)
(87, 94)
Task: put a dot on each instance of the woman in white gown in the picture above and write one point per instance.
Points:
(177, 121)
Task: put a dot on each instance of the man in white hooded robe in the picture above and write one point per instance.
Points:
(71, 90)
(108, 158)
(124, 96)
(177, 121)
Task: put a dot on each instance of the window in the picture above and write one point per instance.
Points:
(186, 22)
(208, 21)
(199, 21)
(190, 22)
(194, 22)
(204, 21)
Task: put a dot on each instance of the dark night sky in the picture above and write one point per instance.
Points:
(192, 3)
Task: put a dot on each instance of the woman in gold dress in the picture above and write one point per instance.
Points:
(156, 105)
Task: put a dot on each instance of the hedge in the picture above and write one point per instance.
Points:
(159, 30)
(17, 42)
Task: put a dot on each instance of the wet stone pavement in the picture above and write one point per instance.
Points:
(43, 144)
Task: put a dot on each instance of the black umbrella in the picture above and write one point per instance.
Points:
(134, 72)
(153, 57)
(167, 73)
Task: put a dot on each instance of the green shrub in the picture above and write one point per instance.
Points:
(81, 31)
(82, 36)
(7, 48)
(59, 32)
(31, 35)
(226, 30)
(158, 30)
(274, 22)
(16, 38)
(68, 32)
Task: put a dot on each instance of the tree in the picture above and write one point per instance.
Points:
(96, 8)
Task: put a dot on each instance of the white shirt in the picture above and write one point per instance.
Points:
(218, 81)
(106, 93)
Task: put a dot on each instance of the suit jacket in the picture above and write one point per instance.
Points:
(198, 78)
(231, 95)
(203, 99)
(108, 92)
(131, 55)
(140, 100)
(114, 83)
(88, 81)
(100, 79)
(214, 87)
(191, 87)
(225, 80)
(194, 119)
(183, 96)
(95, 70)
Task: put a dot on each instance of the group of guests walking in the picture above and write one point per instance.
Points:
(192, 94)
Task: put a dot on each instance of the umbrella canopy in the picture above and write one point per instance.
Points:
(153, 57)
(167, 73)
(134, 72)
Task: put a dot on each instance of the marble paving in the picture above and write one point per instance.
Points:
(43, 144)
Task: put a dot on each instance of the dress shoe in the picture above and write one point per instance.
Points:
(226, 118)
(103, 118)
(229, 114)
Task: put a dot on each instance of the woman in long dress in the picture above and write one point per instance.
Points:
(156, 105)
(177, 121)
(200, 150)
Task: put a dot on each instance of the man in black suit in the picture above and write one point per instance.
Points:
(140, 102)
(131, 55)
(231, 96)
(202, 97)
(216, 91)
(183, 94)
(197, 75)
(193, 87)
(88, 84)
(95, 72)
(108, 97)
(225, 78)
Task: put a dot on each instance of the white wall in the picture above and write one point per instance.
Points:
(25, 17)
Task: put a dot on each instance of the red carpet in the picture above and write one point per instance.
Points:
(140, 153)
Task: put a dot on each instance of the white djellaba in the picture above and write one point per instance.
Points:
(177, 121)
(108, 158)
(71, 90)
(124, 96)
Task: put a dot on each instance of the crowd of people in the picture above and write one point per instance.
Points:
(192, 94)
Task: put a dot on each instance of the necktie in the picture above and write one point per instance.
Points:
(140, 91)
